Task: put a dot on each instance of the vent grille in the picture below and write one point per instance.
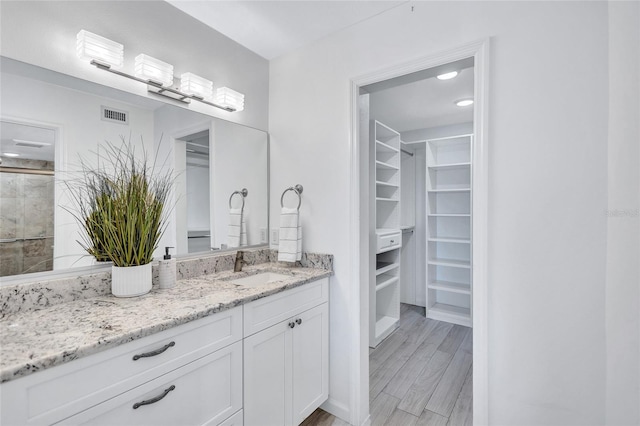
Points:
(114, 115)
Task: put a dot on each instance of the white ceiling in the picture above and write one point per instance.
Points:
(424, 103)
(273, 28)
(12, 135)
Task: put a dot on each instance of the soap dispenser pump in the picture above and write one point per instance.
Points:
(167, 270)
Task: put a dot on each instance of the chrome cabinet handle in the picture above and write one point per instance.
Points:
(292, 324)
(154, 353)
(154, 400)
(299, 321)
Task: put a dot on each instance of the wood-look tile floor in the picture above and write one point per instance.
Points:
(420, 375)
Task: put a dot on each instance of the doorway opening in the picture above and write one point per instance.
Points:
(194, 205)
(445, 224)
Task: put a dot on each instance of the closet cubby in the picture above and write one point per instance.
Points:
(449, 237)
(449, 203)
(384, 303)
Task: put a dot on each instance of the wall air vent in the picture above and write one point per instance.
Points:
(114, 115)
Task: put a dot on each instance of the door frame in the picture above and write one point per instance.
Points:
(359, 235)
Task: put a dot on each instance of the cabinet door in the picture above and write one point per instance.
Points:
(310, 361)
(267, 377)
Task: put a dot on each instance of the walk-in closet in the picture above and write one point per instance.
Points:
(419, 131)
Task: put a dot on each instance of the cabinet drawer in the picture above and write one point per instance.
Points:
(268, 311)
(204, 392)
(389, 241)
(62, 391)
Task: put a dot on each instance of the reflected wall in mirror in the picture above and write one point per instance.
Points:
(211, 158)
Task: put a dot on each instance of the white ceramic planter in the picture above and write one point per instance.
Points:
(130, 281)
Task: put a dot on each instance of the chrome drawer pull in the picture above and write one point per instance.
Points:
(299, 321)
(154, 400)
(154, 353)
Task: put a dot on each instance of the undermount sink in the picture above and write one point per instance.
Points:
(259, 279)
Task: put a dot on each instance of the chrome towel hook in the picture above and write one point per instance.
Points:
(243, 193)
(298, 190)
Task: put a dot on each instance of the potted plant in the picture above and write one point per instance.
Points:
(122, 212)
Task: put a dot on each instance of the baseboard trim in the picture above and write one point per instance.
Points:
(336, 408)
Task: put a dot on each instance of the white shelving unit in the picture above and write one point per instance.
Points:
(384, 293)
(449, 237)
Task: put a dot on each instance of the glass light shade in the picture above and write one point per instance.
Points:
(229, 98)
(149, 68)
(192, 84)
(447, 76)
(92, 46)
(464, 102)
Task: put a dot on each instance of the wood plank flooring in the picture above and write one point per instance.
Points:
(421, 375)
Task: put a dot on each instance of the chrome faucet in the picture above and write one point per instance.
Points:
(237, 267)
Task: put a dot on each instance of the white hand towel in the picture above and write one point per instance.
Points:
(290, 246)
(235, 228)
(243, 228)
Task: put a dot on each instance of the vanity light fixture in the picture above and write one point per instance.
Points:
(152, 69)
(464, 102)
(93, 47)
(230, 98)
(195, 85)
(107, 55)
(10, 154)
(447, 75)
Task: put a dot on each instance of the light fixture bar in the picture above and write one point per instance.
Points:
(158, 89)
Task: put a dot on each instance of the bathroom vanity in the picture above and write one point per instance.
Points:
(209, 351)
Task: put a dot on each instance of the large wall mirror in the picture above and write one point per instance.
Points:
(49, 121)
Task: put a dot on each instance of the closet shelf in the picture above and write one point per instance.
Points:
(450, 287)
(385, 166)
(449, 215)
(465, 264)
(384, 267)
(385, 281)
(451, 190)
(450, 240)
(450, 311)
(383, 147)
(395, 200)
(449, 166)
(381, 183)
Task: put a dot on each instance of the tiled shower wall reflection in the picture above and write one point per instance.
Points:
(26, 219)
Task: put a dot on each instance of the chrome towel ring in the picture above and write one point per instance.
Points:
(243, 193)
(298, 190)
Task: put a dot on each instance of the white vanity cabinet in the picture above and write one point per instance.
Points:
(286, 364)
(202, 359)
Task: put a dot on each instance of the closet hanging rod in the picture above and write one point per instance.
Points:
(407, 152)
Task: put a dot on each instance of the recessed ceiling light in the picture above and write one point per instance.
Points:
(464, 102)
(447, 75)
(10, 154)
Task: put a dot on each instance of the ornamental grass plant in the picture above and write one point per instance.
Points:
(121, 205)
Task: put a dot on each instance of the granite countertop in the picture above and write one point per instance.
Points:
(34, 340)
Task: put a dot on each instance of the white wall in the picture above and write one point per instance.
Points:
(43, 33)
(623, 242)
(437, 132)
(78, 115)
(548, 185)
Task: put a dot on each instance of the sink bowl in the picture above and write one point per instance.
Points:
(259, 279)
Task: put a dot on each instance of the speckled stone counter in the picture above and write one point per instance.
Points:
(32, 340)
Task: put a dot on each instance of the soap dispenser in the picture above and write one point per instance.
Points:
(167, 270)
